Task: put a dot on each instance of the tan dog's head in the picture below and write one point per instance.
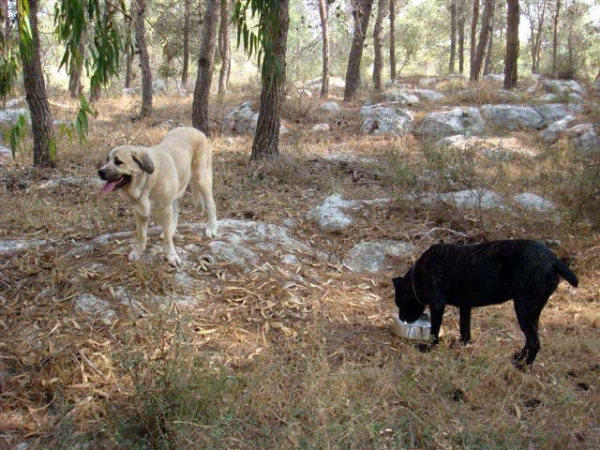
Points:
(124, 167)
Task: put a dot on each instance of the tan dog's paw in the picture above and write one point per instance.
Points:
(133, 256)
(211, 231)
(174, 260)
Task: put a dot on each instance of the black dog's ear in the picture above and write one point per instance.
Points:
(397, 282)
(143, 160)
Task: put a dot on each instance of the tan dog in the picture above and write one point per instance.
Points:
(156, 177)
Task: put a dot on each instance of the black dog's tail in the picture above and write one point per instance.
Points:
(566, 273)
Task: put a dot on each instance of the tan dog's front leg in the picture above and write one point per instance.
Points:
(168, 226)
(142, 217)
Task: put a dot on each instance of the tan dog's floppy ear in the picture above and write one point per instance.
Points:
(143, 160)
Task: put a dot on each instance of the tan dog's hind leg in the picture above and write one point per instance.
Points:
(203, 198)
(142, 215)
(169, 223)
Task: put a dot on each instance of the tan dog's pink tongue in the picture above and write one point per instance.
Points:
(108, 187)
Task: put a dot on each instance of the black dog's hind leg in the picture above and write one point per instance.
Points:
(528, 321)
(465, 324)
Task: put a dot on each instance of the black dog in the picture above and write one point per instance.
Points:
(468, 276)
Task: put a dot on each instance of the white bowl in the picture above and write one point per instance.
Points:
(419, 330)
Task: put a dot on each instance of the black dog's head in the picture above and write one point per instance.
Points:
(408, 304)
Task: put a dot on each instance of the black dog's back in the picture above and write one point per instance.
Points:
(492, 272)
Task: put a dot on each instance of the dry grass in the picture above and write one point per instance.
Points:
(265, 363)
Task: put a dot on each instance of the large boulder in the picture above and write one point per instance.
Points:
(330, 215)
(455, 121)
(562, 87)
(556, 111)
(328, 110)
(239, 119)
(513, 117)
(376, 255)
(385, 118)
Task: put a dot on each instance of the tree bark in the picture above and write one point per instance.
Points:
(5, 26)
(324, 14)
(512, 44)
(76, 69)
(462, 17)
(44, 142)
(224, 47)
(266, 138)
(474, 21)
(392, 40)
(361, 13)
(140, 36)
(535, 11)
(453, 32)
(186, 42)
(200, 105)
(487, 65)
(378, 45)
(555, 40)
(484, 36)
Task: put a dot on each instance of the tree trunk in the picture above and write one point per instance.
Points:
(474, 21)
(324, 14)
(44, 142)
(224, 47)
(128, 64)
(392, 39)
(378, 44)
(266, 138)
(361, 13)
(555, 40)
(140, 36)
(95, 93)
(76, 69)
(484, 36)
(200, 105)
(462, 17)
(487, 66)
(453, 32)
(186, 42)
(5, 26)
(512, 44)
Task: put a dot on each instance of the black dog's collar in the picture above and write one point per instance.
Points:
(414, 288)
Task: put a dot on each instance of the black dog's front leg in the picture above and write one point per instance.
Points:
(465, 324)
(437, 314)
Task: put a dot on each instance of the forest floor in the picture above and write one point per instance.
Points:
(264, 363)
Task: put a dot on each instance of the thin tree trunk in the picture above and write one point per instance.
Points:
(324, 14)
(266, 138)
(484, 36)
(462, 17)
(555, 40)
(200, 105)
(453, 32)
(44, 142)
(140, 36)
(512, 44)
(128, 64)
(392, 39)
(378, 44)
(224, 47)
(76, 69)
(361, 13)
(474, 21)
(487, 66)
(186, 42)
(95, 93)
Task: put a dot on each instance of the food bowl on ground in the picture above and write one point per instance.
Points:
(419, 330)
